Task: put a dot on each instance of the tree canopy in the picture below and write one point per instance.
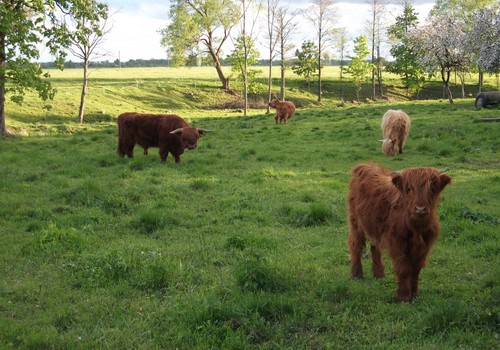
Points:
(24, 25)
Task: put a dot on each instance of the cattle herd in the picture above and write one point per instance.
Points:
(394, 211)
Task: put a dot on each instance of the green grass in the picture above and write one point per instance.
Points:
(242, 244)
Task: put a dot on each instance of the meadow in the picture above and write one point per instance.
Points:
(242, 245)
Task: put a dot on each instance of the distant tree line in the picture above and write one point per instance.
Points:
(158, 62)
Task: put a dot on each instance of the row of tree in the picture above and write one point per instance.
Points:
(461, 36)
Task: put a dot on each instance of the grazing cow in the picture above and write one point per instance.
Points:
(284, 110)
(394, 211)
(395, 127)
(169, 132)
(486, 98)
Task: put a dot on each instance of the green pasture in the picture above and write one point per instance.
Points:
(242, 245)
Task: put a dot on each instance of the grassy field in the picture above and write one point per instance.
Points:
(243, 244)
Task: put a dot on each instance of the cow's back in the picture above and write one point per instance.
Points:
(371, 197)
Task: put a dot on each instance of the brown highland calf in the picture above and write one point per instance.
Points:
(397, 212)
(284, 110)
(169, 132)
(395, 127)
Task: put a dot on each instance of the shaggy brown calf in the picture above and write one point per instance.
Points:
(395, 127)
(169, 132)
(284, 110)
(395, 211)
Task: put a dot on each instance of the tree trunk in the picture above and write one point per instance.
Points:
(270, 80)
(445, 76)
(84, 91)
(480, 80)
(320, 49)
(282, 86)
(218, 68)
(3, 129)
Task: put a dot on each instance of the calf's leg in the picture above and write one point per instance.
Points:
(357, 242)
(377, 264)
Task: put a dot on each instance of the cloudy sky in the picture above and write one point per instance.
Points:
(135, 24)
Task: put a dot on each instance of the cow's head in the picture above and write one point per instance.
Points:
(274, 103)
(420, 189)
(389, 146)
(189, 136)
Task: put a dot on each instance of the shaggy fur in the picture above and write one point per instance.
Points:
(397, 212)
(284, 110)
(395, 127)
(169, 132)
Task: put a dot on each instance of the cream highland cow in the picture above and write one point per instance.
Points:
(395, 127)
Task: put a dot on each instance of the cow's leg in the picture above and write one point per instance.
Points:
(130, 149)
(163, 155)
(404, 276)
(177, 159)
(377, 264)
(357, 242)
(414, 283)
(276, 118)
(400, 149)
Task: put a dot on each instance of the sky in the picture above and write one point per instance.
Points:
(135, 25)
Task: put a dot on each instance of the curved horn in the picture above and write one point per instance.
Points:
(176, 131)
(204, 130)
(440, 171)
(381, 141)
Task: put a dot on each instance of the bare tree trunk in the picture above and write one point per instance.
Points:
(270, 80)
(84, 91)
(282, 87)
(3, 129)
(218, 68)
(480, 80)
(445, 76)
(320, 50)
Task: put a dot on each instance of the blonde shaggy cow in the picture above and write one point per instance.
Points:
(396, 128)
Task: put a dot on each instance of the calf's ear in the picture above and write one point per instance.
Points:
(443, 181)
(397, 180)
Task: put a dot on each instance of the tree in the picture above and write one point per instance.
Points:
(359, 67)
(484, 39)
(440, 45)
(87, 35)
(272, 8)
(307, 61)
(200, 22)
(243, 56)
(341, 40)
(377, 11)
(321, 14)
(463, 13)
(405, 64)
(23, 25)
(285, 26)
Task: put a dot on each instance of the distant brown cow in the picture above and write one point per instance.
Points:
(395, 211)
(169, 132)
(284, 110)
(395, 127)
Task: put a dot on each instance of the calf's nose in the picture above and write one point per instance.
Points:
(420, 210)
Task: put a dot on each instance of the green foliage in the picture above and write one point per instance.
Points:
(307, 61)
(359, 67)
(406, 63)
(25, 25)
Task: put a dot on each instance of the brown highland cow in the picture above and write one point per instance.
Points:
(397, 212)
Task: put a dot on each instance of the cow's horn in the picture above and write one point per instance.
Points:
(440, 171)
(204, 130)
(380, 140)
(176, 131)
